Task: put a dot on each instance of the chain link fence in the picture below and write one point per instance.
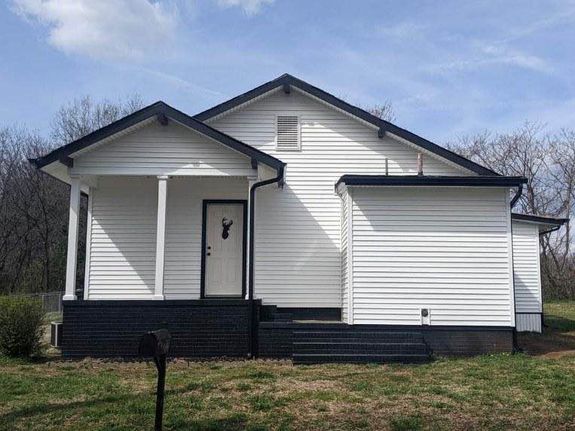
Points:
(51, 301)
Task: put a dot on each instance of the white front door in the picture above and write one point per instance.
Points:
(224, 249)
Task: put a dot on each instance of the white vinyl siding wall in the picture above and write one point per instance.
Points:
(526, 267)
(298, 254)
(123, 240)
(445, 249)
(162, 150)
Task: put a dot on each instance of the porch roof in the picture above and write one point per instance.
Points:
(162, 111)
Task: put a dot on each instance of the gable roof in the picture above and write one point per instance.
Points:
(162, 111)
(287, 80)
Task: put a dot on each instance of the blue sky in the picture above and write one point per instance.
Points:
(449, 68)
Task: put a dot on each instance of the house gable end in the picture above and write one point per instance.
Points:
(155, 149)
(161, 112)
(332, 142)
(285, 83)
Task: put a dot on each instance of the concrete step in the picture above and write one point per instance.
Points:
(354, 335)
(348, 347)
(317, 358)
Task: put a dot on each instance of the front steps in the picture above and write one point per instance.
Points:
(315, 342)
(349, 344)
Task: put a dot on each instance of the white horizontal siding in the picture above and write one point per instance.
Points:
(123, 235)
(445, 249)
(184, 229)
(162, 150)
(298, 251)
(526, 268)
(528, 322)
(123, 238)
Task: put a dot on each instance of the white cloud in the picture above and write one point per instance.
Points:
(104, 29)
(250, 7)
(493, 55)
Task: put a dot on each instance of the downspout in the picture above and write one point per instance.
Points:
(553, 229)
(515, 347)
(252, 321)
(517, 195)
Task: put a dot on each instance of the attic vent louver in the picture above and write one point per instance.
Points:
(288, 133)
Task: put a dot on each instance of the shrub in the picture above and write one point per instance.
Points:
(21, 320)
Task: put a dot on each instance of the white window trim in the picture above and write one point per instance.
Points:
(288, 150)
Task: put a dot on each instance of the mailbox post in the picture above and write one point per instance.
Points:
(156, 344)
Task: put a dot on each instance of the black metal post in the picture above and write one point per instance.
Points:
(156, 344)
(161, 366)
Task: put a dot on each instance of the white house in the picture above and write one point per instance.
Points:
(241, 227)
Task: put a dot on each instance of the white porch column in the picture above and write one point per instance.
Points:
(73, 225)
(161, 236)
(251, 182)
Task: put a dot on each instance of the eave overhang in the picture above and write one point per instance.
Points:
(545, 224)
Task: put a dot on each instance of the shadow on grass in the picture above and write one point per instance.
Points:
(558, 336)
(231, 422)
(556, 323)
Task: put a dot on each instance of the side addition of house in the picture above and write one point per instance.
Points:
(287, 223)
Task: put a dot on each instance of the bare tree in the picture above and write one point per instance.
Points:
(84, 115)
(34, 206)
(548, 161)
(384, 111)
(32, 216)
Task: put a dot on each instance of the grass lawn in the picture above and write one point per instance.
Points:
(534, 391)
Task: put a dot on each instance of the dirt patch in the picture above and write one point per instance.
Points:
(558, 355)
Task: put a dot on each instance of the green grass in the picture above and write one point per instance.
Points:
(495, 392)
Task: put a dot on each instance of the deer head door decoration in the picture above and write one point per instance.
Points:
(226, 224)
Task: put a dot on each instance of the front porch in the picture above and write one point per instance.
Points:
(162, 238)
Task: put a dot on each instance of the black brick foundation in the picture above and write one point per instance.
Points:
(199, 328)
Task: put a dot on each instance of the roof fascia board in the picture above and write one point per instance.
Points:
(241, 106)
(428, 181)
(113, 137)
(539, 220)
